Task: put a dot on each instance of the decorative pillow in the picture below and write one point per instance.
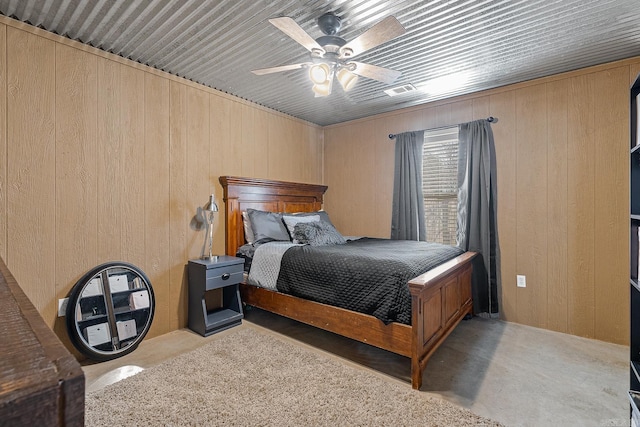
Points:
(248, 231)
(267, 225)
(317, 234)
(291, 220)
(324, 216)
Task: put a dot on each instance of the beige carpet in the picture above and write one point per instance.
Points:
(252, 378)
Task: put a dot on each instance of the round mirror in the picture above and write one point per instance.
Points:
(110, 310)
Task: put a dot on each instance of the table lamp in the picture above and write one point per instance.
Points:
(209, 212)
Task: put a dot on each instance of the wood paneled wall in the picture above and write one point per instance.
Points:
(104, 159)
(562, 164)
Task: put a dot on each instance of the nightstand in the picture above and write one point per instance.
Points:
(223, 273)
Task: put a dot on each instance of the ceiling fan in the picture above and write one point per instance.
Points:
(331, 55)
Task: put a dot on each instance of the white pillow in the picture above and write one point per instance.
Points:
(248, 231)
(291, 220)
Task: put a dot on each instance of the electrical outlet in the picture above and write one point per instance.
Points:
(521, 281)
(62, 307)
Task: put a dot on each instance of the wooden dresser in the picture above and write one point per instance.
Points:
(41, 383)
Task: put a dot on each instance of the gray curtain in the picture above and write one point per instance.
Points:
(407, 216)
(477, 211)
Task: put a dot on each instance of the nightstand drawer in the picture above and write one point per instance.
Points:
(224, 276)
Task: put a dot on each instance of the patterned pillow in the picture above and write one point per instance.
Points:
(317, 234)
(291, 220)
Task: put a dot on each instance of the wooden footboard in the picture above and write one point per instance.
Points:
(440, 299)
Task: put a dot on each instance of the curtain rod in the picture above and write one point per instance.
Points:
(490, 119)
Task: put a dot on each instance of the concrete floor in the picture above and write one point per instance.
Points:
(515, 374)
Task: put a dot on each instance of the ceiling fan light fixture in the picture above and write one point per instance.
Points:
(322, 89)
(347, 79)
(319, 73)
(331, 54)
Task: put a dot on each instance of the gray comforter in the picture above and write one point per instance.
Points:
(365, 275)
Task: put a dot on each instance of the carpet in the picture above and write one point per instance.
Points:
(253, 378)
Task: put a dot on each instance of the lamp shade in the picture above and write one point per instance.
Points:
(209, 211)
(322, 89)
(211, 205)
(319, 73)
(347, 79)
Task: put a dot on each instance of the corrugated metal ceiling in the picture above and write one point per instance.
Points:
(450, 47)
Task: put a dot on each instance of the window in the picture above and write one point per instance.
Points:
(440, 184)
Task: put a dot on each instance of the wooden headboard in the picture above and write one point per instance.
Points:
(266, 195)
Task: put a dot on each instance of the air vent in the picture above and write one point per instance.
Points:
(398, 90)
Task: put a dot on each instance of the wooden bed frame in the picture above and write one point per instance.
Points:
(440, 298)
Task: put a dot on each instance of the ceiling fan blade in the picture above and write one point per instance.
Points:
(374, 72)
(387, 29)
(293, 30)
(264, 71)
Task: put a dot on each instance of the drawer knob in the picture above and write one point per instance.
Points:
(225, 276)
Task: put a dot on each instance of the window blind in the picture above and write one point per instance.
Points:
(440, 184)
